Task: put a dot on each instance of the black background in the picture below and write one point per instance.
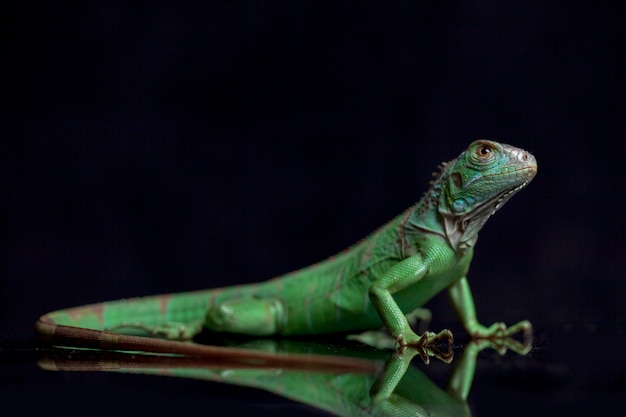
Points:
(160, 147)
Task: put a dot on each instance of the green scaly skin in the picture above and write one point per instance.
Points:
(398, 268)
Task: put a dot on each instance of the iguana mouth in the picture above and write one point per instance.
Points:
(528, 171)
(507, 194)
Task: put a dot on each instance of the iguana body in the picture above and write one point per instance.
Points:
(395, 270)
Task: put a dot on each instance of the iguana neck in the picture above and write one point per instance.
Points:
(432, 215)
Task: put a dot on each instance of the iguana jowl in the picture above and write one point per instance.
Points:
(398, 268)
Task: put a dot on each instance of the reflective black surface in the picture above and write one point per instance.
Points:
(567, 370)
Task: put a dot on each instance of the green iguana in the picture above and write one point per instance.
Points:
(397, 269)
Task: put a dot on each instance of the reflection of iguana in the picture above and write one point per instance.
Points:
(395, 270)
(364, 389)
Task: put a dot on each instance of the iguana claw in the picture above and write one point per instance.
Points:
(500, 330)
(428, 344)
(500, 338)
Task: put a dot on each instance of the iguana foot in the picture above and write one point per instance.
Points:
(428, 344)
(500, 337)
(426, 339)
(499, 330)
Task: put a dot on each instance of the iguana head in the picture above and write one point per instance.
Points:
(476, 184)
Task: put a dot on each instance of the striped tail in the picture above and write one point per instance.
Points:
(170, 316)
(115, 325)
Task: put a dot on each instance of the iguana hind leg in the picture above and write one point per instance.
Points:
(166, 330)
(250, 316)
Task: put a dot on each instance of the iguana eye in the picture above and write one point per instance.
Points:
(483, 152)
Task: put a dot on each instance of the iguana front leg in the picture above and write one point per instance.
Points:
(461, 298)
(404, 274)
